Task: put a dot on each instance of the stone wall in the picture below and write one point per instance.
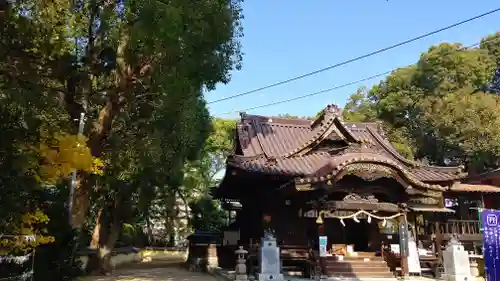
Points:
(124, 256)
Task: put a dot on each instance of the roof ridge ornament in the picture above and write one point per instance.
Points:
(333, 109)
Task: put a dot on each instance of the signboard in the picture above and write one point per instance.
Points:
(413, 258)
(491, 240)
(323, 242)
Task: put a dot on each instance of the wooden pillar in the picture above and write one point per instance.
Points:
(439, 240)
(439, 234)
(404, 253)
(463, 211)
(322, 260)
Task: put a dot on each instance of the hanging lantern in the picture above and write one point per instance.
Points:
(319, 220)
(266, 221)
(369, 219)
(267, 218)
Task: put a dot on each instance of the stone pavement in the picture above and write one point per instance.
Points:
(167, 273)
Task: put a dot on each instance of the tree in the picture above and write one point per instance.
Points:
(288, 116)
(359, 108)
(440, 105)
(201, 176)
(492, 45)
(138, 70)
(207, 215)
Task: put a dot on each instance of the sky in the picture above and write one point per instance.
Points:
(287, 38)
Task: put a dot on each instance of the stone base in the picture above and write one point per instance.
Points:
(241, 277)
(270, 277)
(450, 277)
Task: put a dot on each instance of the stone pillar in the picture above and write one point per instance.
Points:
(212, 258)
(241, 268)
(456, 262)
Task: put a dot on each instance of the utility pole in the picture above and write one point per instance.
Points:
(72, 186)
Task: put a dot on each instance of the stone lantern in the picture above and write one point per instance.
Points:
(241, 268)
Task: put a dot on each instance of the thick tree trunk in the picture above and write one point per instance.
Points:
(102, 127)
(149, 229)
(94, 243)
(109, 223)
(106, 248)
(99, 236)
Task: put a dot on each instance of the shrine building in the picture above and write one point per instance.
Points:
(303, 179)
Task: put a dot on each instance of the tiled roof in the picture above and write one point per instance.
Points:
(475, 188)
(290, 147)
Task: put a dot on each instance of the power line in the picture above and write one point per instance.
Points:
(356, 58)
(311, 94)
(338, 87)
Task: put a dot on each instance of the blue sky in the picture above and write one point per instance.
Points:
(287, 38)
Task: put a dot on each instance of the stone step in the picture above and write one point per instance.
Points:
(358, 269)
(347, 274)
(362, 259)
(346, 264)
(366, 254)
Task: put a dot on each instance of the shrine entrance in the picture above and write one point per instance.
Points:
(358, 235)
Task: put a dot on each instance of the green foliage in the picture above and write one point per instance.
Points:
(359, 108)
(492, 45)
(55, 261)
(438, 108)
(207, 215)
(288, 116)
(201, 174)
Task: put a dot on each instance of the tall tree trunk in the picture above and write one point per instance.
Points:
(149, 228)
(109, 222)
(100, 262)
(85, 184)
(107, 247)
(94, 243)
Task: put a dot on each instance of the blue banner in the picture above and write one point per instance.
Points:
(323, 242)
(491, 241)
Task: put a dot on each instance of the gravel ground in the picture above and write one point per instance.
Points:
(168, 273)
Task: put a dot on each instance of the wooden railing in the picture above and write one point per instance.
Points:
(460, 227)
(392, 259)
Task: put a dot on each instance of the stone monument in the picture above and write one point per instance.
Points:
(269, 258)
(456, 262)
(240, 271)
